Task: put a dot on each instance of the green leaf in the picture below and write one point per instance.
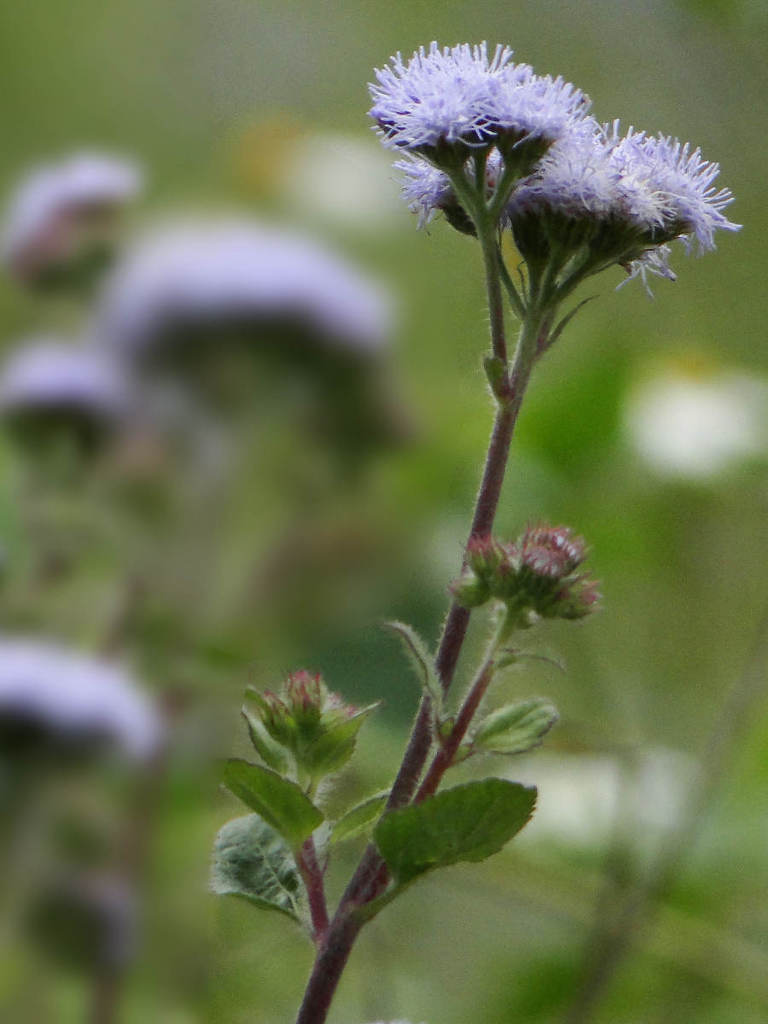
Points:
(251, 860)
(466, 823)
(271, 753)
(516, 728)
(359, 819)
(334, 747)
(280, 802)
(423, 663)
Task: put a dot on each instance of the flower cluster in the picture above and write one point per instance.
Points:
(577, 195)
(306, 721)
(536, 576)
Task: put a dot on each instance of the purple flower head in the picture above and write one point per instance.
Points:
(428, 190)
(56, 203)
(574, 180)
(530, 106)
(53, 383)
(440, 96)
(70, 699)
(446, 99)
(681, 183)
(617, 200)
(425, 188)
(204, 275)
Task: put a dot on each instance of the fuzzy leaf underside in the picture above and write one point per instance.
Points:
(466, 823)
(252, 861)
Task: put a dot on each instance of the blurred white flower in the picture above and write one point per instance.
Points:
(45, 374)
(74, 698)
(579, 795)
(210, 273)
(55, 201)
(340, 180)
(698, 426)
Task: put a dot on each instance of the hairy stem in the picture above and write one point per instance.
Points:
(443, 759)
(313, 881)
(371, 876)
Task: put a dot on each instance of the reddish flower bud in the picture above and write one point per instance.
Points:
(533, 577)
(314, 725)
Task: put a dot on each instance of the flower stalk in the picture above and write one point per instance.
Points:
(495, 148)
(371, 877)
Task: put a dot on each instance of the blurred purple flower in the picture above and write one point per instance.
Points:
(45, 377)
(73, 699)
(210, 273)
(55, 201)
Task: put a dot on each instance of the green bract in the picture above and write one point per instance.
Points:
(304, 724)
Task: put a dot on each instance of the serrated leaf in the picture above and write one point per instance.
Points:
(273, 755)
(516, 728)
(280, 802)
(422, 661)
(251, 860)
(466, 823)
(359, 819)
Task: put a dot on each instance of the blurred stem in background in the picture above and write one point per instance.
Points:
(626, 902)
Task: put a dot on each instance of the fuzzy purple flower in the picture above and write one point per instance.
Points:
(428, 190)
(681, 181)
(460, 97)
(439, 96)
(425, 188)
(617, 200)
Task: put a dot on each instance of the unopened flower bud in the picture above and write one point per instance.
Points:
(534, 577)
(555, 547)
(485, 555)
(578, 598)
(309, 721)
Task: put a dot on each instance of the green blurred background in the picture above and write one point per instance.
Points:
(261, 106)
